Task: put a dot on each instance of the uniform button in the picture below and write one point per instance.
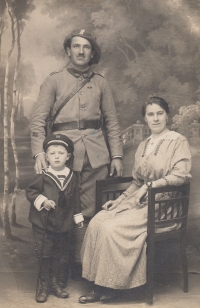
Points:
(82, 93)
(83, 106)
(80, 78)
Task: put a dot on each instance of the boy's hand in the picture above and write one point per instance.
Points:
(49, 204)
(80, 224)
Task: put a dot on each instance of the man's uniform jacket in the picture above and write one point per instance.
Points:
(66, 198)
(90, 103)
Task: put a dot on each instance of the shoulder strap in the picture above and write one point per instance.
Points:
(71, 95)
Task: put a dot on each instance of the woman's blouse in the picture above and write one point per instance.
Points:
(169, 163)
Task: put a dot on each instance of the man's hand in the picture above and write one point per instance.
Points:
(40, 162)
(49, 204)
(116, 164)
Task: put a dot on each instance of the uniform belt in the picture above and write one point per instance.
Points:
(82, 124)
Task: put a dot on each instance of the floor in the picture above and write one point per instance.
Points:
(18, 290)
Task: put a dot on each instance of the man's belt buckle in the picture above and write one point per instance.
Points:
(80, 124)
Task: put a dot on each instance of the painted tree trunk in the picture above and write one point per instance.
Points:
(15, 154)
(20, 109)
(2, 29)
(6, 221)
(12, 130)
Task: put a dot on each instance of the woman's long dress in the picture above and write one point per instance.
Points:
(114, 248)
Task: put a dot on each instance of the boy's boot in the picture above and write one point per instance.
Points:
(64, 275)
(43, 288)
(54, 281)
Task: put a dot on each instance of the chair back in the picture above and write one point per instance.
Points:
(110, 189)
(167, 210)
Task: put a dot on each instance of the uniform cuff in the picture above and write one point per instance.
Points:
(117, 156)
(39, 154)
(78, 218)
(38, 202)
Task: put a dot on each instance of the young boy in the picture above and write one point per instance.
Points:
(55, 206)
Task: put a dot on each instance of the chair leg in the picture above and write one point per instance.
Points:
(184, 263)
(150, 274)
(149, 297)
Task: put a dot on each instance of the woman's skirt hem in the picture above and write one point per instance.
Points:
(114, 286)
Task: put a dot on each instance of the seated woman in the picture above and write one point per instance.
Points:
(114, 248)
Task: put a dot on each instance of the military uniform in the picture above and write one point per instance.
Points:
(93, 101)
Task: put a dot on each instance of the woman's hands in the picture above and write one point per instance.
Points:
(110, 205)
(142, 192)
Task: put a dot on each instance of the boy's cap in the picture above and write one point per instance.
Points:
(58, 139)
(88, 36)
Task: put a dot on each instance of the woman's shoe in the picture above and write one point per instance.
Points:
(91, 297)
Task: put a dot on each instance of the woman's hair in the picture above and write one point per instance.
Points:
(155, 100)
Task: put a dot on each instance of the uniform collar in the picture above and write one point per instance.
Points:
(78, 73)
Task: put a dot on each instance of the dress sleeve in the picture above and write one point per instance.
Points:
(180, 167)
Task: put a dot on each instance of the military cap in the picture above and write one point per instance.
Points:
(88, 36)
(59, 139)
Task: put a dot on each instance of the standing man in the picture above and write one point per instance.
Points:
(81, 119)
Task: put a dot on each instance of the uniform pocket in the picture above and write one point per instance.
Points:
(100, 136)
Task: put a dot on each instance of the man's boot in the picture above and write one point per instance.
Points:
(43, 288)
(64, 275)
(54, 281)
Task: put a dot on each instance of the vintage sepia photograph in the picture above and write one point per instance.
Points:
(100, 153)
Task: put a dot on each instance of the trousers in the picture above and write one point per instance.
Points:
(87, 179)
(56, 244)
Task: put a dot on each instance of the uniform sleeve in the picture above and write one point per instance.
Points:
(180, 166)
(111, 122)
(34, 192)
(44, 104)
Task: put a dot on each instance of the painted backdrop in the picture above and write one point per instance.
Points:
(148, 47)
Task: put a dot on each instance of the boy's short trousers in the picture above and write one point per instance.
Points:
(56, 244)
